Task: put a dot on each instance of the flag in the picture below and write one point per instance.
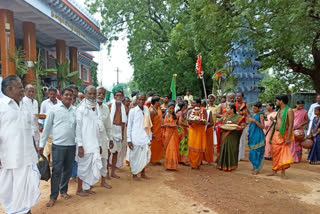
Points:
(173, 87)
(199, 70)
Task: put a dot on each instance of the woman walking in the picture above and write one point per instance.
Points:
(314, 155)
(256, 138)
(267, 129)
(183, 134)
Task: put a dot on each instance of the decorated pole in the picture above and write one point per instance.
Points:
(199, 71)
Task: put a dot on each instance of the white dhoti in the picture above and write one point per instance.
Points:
(104, 169)
(19, 190)
(123, 152)
(139, 158)
(89, 169)
(242, 145)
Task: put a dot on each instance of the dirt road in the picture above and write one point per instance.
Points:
(198, 191)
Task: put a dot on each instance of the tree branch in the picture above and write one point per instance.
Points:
(315, 52)
(299, 68)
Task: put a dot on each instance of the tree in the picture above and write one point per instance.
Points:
(94, 74)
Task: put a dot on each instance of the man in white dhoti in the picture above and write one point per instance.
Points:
(88, 143)
(311, 114)
(105, 134)
(19, 175)
(118, 119)
(61, 122)
(33, 108)
(139, 137)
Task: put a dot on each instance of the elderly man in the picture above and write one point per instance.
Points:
(32, 106)
(118, 119)
(45, 107)
(88, 143)
(139, 136)
(105, 134)
(61, 122)
(19, 176)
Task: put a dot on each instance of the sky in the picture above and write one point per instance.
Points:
(108, 64)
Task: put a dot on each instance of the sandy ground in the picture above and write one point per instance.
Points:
(198, 191)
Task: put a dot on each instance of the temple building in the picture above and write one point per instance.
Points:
(57, 29)
(245, 67)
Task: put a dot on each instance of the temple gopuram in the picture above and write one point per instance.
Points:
(245, 67)
(58, 29)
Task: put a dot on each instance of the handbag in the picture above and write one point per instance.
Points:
(44, 168)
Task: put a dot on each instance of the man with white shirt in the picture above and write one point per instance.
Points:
(45, 107)
(61, 122)
(19, 175)
(32, 106)
(311, 113)
(88, 143)
(118, 119)
(105, 134)
(139, 137)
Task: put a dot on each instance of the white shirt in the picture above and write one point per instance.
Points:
(45, 107)
(16, 144)
(311, 115)
(105, 132)
(135, 131)
(32, 106)
(61, 122)
(189, 98)
(87, 129)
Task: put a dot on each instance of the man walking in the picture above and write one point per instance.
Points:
(19, 175)
(61, 122)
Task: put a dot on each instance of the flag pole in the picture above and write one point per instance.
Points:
(204, 88)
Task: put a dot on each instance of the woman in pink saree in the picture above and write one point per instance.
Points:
(267, 129)
(300, 120)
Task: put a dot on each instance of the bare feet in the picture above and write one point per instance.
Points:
(51, 203)
(272, 174)
(136, 178)
(108, 177)
(65, 196)
(74, 179)
(82, 194)
(90, 192)
(104, 184)
(156, 164)
(255, 172)
(145, 177)
(283, 175)
(113, 175)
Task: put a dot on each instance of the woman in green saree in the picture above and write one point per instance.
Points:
(228, 158)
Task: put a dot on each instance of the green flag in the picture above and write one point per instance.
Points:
(173, 88)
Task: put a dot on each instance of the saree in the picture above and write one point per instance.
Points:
(295, 147)
(156, 143)
(208, 155)
(314, 154)
(267, 131)
(183, 138)
(171, 143)
(282, 157)
(256, 143)
(228, 157)
(197, 144)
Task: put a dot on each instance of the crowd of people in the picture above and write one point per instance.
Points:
(86, 139)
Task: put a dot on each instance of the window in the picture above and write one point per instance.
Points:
(86, 73)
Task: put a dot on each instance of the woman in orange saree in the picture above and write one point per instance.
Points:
(171, 139)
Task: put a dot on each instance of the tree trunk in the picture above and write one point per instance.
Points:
(316, 82)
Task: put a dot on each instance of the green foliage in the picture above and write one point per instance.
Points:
(40, 72)
(19, 62)
(63, 75)
(165, 37)
(225, 84)
(94, 74)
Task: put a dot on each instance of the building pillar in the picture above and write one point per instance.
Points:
(73, 55)
(7, 43)
(30, 49)
(61, 51)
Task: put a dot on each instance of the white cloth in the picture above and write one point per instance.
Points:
(242, 145)
(135, 129)
(113, 110)
(105, 133)
(45, 107)
(88, 129)
(89, 169)
(61, 122)
(311, 116)
(32, 106)
(139, 158)
(104, 169)
(117, 147)
(16, 141)
(123, 152)
(19, 190)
